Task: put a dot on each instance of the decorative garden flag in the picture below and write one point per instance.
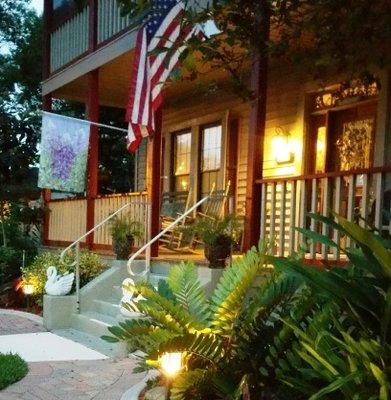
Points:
(162, 29)
(64, 153)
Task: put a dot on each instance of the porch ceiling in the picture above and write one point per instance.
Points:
(114, 83)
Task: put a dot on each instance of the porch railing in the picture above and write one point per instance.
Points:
(104, 222)
(360, 196)
(67, 217)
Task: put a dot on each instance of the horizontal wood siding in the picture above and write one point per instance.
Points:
(67, 220)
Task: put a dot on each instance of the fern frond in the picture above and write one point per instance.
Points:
(185, 285)
(229, 297)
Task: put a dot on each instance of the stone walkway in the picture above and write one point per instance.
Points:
(71, 380)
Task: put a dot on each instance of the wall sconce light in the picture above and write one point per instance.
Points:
(282, 147)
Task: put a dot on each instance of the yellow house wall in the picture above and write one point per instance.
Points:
(286, 109)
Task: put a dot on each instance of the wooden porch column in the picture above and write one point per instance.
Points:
(154, 162)
(92, 114)
(256, 132)
(46, 193)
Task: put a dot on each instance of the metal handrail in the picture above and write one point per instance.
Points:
(77, 242)
(147, 246)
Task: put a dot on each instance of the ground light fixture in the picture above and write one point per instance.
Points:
(170, 364)
(28, 290)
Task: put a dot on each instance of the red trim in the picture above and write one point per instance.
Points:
(154, 159)
(322, 264)
(374, 170)
(46, 193)
(92, 113)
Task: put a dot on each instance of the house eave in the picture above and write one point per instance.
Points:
(90, 62)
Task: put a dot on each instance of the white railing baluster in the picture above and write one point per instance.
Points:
(379, 189)
(314, 209)
(303, 210)
(351, 203)
(337, 210)
(263, 210)
(281, 239)
(272, 226)
(364, 201)
(291, 245)
(325, 213)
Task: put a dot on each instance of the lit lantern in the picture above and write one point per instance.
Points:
(28, 289)
(282, 148)
(171, 363)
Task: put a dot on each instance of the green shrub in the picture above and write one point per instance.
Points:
(10, 263)
(12, 369)
(35, 274)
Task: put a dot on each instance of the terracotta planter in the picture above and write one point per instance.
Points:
(123, 248)
(218, 252)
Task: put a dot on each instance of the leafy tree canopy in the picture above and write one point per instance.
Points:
(20, 98)
(318, 36)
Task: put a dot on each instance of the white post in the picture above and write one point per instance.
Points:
(77, 277)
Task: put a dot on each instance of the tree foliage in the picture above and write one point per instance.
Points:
(317, 36)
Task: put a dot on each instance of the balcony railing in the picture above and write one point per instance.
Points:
(71, 39)
(360, 196)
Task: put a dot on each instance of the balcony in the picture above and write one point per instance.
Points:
(77, 32)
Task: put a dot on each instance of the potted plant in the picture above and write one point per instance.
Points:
(124, 231)
(218, 234)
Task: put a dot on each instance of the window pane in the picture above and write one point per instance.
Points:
(182, 151)
(211, 149)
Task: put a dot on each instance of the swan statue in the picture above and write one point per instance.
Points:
(128, 298)
(58, 285)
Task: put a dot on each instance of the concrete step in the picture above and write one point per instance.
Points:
(94, 342)
(106, 307)
(93, 323)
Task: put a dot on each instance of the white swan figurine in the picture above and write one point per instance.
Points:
(58, 285)
(128, 297)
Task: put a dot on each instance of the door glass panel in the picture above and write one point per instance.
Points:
(355, 144)
(320, 155)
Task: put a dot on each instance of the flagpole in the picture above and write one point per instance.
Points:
(115, 128)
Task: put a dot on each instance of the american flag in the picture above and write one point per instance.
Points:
(162, 28)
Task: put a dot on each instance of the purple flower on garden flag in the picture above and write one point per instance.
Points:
(64, 150)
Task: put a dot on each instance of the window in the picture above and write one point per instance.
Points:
(181, 162)
(210, 157)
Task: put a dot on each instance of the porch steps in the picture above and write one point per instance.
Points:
(103, 309)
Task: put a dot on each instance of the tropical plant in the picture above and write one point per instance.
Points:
(218, 234)
(124, 231)
(226, 340)
(343, 348)
(35, 274)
